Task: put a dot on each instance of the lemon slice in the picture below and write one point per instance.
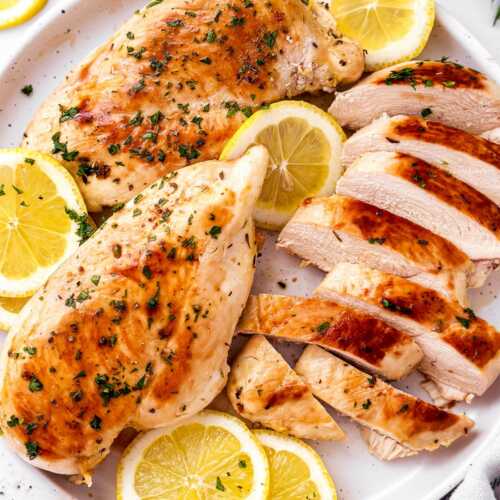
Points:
(10, 307)
(297, 471)
(391, 31)
(210, 455)
(42, 220)
(304, 143)
(14, 12)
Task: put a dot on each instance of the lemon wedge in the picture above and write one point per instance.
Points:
(391, 31)
(305, 145)
(210, 455)
(14, 12)
(42, 220)
(297, 471)
(10, 307)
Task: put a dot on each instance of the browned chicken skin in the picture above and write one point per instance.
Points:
(176, 81)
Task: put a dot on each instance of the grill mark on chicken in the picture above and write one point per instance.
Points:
(450, 190)
(468, 334)
(447, 74)
(405, 237)
(413, 127)
(286, 394)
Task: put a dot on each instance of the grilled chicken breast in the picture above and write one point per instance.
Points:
(460, 349)
(444, 91)
(177, 80)
(134, 329)
(326, 231)
(360, 338)
(265, 390)
(423, 194)
(467, 157)
(410, 422)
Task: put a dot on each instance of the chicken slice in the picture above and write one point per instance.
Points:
(428, 196)
(265, 390)
(467, 157)
(134, 329)
(326, 231)
(176, 82)
(460, 350)
(411, 422)
(362, 339)
(445, 91)
(492, 135)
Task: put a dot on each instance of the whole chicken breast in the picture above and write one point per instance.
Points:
(408, 423)
(444, 91)
(134, 329)
(175, 83)
(265, 390)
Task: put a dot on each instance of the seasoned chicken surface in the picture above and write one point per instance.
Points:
(177, 80)
(413, 423)
(361, 338)
(470, 158)
(460, 349)
(444, 91)
(326, 231)
(265, 390)
(428, 196)
(134, 329)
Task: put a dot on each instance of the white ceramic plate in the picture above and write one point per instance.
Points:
(58, 41)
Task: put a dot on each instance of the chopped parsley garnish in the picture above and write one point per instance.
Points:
(34, 384)
(2, 189)
(206, 60)
(270, 38)
(215, 231)
(211, 36)
(146, 270)
(188, 152)
(67, 114)
(136, 120)
(31, 351)
(392, 306)
(95, 279)
(13, 421)
(465, 322)
(175, 24)
(27, 90)
(17, 190)
(32, 449)
(218, 485)
(114, 149)
(426, 112)
(323, 327)
(153, 3)
(242, 464)
(62, 147)
(156, 118)
(85, 229)
(404, 408)
(130, 35)
(376, 241)
(137, 87)
(366, 404)
(449, 84)
(237, 21)
(428, 83)
(155, 299)
(96, 423)
(405, 74)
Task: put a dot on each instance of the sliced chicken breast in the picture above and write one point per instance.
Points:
(470, 158)
(412, 423)
(460, 349)
(362, 339)
(326, 231)
(423, 194)
(443, 90)
(265, 390)
(492, 135)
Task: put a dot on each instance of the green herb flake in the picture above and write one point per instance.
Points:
(426, 112)
(67, 114)
(27, 90)
(95, 279)
(34, 384)
(323, 327)
(31, 351)
(366, 404)
(96, 423)
(32, 449)
(218, 485)
(215, 231)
